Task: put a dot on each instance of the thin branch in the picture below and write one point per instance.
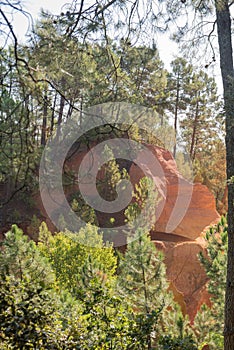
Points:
(77, 20)
(105, 7)
(209, 39)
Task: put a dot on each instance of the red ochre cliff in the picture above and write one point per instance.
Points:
(182, 239)
(183, 214)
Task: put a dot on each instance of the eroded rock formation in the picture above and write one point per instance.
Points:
(183, 213)
(182, 239)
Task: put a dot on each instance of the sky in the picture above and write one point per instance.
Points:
(167, 49)
(20, 22)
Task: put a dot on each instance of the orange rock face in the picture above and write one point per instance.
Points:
(186, 210)
(188, 277)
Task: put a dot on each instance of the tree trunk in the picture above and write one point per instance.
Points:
(70, 109)
(192, 146)
(226, 64)
(61, 109)
(176, 113)
(52, 115)
(44, 120)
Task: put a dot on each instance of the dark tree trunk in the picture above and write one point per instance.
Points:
(44, 121)
(60, 116)
(70, 109)
(61, 109)
(193, 141)
(226, 64)
(52, 115)
(176, 113)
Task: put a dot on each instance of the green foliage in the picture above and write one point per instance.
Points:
(82, 209)
(143, 285)
(16, 156)
(27, 315)
(72, 254)
(140, 264)
(142, 275)
(209, 322)
(196, 109)
(33, 228)
(216, 262)
(65, 294)
(209, 169)
(169, 342)
(145, 199)
(20, 258)
(41, 308)
(27, 304)
(85, 268)
(111, 176)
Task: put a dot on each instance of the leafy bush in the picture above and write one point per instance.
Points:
(169, 342)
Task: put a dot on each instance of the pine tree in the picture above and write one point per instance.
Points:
(178, 82)
(200, 122)
(28, 306)
(209, 321)
(142, 277)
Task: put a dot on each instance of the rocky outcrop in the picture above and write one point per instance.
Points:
(183, 213)
(187, 275)
(185, 209)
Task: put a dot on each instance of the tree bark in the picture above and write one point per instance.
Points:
(176, 112)
(61, 109)
(44, 120)
(52, 115)
(226, 64)
(193, 143)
